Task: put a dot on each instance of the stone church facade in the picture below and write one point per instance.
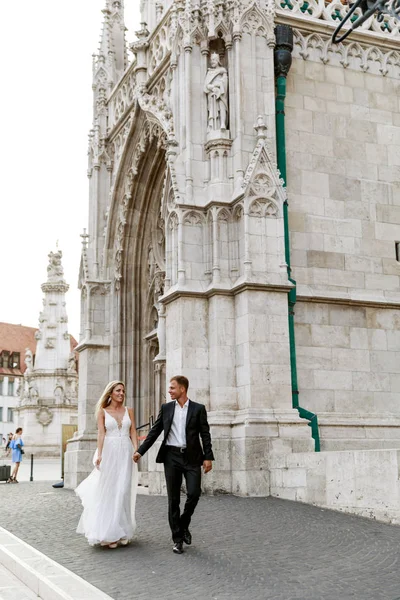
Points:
(268, 275)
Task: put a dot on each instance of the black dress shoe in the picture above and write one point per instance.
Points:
(187, 537)
(178, 548)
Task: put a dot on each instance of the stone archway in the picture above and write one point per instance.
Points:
(143, 270)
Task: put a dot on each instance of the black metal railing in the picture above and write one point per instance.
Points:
(149, 424)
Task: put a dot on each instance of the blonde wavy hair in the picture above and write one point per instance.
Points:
(105, 398)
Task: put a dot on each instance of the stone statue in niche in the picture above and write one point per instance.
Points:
(216, 88)
(28, 360)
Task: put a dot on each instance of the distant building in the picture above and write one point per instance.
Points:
(14, 339)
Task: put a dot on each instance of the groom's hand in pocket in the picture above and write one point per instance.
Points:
(207, 466)
(137, 457)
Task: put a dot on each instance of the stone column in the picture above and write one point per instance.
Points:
(94, 373)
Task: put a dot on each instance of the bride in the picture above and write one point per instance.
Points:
(108, 495)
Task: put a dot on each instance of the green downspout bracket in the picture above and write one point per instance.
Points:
(283, 61)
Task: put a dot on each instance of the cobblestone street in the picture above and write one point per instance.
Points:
(244, 548)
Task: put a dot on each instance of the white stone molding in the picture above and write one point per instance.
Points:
(350, 54)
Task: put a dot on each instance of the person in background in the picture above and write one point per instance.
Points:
(16, 445)
(8, 445)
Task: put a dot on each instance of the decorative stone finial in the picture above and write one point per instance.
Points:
(261, 128)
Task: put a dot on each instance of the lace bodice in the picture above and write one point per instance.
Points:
(115, 428)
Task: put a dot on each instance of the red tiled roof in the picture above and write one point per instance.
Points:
(16, 338)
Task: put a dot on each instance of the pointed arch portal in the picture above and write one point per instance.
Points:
(138, 241)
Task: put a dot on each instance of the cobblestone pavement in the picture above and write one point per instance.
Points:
(244, 548)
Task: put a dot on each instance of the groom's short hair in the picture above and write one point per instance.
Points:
(181, 380)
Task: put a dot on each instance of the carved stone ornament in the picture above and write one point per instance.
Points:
(193, 218)
(55, 271)
(50, 343)
(71, 363)
(262, 182)
(28, 361)
(44, 416)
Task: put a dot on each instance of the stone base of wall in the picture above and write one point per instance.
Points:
(78, 459)
(358, 432)
(42, 451)
(363, 483)
(243, 441)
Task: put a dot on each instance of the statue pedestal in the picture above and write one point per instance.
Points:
(218, 134)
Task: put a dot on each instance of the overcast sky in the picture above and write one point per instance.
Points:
(46, 113)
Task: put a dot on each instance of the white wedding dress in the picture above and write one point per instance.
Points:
(108, 495)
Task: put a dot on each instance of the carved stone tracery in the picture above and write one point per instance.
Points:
(353, 55)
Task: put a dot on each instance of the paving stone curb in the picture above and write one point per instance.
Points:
(43, 576)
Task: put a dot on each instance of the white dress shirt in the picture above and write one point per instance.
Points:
(177, 433)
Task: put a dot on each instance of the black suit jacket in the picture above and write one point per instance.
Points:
(196, 427)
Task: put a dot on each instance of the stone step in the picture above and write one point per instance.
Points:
(44, 577)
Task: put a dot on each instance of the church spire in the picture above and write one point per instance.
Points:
(111, 59)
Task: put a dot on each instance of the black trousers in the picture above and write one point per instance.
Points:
(176, 467)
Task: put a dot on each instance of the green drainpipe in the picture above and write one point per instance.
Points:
(283, 61)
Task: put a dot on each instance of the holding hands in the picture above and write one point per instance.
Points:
(137, 457)
(207, 466)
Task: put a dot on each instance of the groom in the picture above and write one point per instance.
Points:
(184, 422)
